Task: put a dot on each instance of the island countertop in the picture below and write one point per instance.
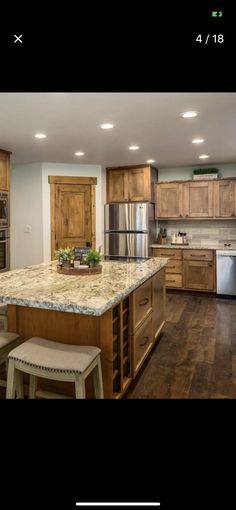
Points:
(40, 286)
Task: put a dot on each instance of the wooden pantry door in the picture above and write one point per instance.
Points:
(72, 212)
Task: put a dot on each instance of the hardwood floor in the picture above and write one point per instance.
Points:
(196, 354)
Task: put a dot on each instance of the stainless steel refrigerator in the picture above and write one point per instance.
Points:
(129, 229)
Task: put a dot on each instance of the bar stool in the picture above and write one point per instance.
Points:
(40, 357)
(7, 342)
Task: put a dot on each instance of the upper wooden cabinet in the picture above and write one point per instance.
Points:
(198, 199)
(169, 200)
(4, 170)
(225, 199)
(132, 183)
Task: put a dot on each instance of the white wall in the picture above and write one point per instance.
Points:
(26, 209)
(182, 173)
(78, 171)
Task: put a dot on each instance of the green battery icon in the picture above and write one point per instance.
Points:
(217, 14)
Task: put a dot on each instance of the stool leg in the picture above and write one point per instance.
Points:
(79, 386)
(19, 384)
(32, 386)
(97, 379)
(11, 380)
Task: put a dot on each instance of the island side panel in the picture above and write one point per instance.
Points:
(67, 327)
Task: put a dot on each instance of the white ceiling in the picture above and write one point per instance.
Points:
(150, 120)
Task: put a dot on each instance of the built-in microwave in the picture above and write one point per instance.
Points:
(4, 209)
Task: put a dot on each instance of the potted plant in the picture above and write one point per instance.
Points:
(65, 256)
(92, 258)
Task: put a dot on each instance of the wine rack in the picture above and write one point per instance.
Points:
(121, 347)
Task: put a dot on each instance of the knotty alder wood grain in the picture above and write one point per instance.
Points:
(133, 183)
(196, 199)
(73, 212)
(4, 170)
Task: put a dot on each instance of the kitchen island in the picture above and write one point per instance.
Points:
(121, 310)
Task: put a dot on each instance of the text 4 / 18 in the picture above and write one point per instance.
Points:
(209, 38)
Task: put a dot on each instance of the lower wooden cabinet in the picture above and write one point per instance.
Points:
(189, 269)
(158, 302)
(198, 275)
(142, 342)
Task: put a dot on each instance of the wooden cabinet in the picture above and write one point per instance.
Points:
(199, 270)
(198, 199)
(142, 343)
(189, 269)
(4, 170)
(117, 186)
(141, 303)
(158, 302)
(169, 200)
(225, 198)
(132, 183)
(174, 267)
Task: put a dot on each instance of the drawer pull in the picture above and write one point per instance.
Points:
(143, 301)
(171, 267)
(171, 281)
(191, 255)
(144, 343)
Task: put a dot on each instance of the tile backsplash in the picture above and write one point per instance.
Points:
(204, 231)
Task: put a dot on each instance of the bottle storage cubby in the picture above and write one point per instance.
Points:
(121, 347)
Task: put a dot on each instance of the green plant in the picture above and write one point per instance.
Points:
(65, 254)
(199, 171)
(93, 257)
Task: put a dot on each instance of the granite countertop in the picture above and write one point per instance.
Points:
(41, 286)
(197, 246)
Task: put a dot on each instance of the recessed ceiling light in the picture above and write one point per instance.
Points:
(150, 161)
(133, 147)
(107, 125)
(40, 135)
(79, 153)
(188, 115)
(203, 156)
(198, 140)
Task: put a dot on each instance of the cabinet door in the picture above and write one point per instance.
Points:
(198, 199)
(169, 200)
(225, 199)
(4, 170)
(142, 343)
(158, 301)
(139, 184)
(117, 186)
(198, 275)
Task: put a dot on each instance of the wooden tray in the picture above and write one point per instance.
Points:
(79, 271)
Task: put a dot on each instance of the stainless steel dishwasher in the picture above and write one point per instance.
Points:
(226, 272)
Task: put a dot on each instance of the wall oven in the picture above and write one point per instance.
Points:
(4, 209)
(4, 250)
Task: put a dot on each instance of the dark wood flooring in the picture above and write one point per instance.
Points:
(195, 356)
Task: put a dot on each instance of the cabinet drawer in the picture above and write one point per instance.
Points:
(142, 303)
(173, 280)
(167, 252)
(142, 342)
(174, 266)
(198, 255)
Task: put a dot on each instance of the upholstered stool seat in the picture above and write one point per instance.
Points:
(7, 342)
(47, 359)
